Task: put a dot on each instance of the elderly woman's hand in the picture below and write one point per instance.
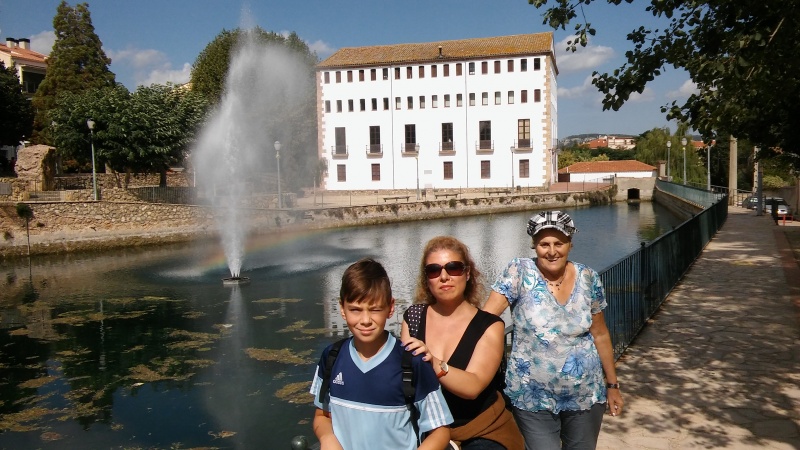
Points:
(417, 347)
(615, 402)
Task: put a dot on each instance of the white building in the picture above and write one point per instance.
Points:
(593, 171)
(470, 113)
(30, 67)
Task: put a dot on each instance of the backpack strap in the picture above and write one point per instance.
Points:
(410, 390)
(333, 353)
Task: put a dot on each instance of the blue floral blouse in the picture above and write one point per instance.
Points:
(554, 364)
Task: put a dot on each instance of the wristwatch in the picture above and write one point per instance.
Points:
(444, 369)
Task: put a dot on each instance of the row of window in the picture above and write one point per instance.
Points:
(410, 137)
(433, 70)
(447, 170)
(398, 101)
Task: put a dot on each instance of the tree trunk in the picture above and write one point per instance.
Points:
(162, 181)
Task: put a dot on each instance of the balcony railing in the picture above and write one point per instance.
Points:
(374, 150)
(339, 151)
(484, 146)
(410, 148)
(447, 148)
(522, 145)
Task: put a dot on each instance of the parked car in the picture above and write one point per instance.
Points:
(783, 209)
(749, 202)
(771, 202)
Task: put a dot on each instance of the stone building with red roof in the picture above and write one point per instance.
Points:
(597, 170)
(468, 113)
(30, 66)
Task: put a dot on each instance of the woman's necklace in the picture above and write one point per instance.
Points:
(556, 284)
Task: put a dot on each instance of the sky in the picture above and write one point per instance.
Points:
(157, 41)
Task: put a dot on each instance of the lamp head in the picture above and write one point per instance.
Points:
(683, 141)
(90, 124)
(277, 146)
(669, 144)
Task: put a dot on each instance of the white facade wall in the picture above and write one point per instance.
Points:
(402, 170)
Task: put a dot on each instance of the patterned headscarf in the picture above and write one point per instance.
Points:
(558, 220)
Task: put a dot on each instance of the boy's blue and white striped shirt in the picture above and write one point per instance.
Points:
(367, 405)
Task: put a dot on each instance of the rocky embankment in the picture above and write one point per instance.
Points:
(61, 227)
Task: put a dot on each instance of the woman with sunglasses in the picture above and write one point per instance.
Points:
(464, 344)
(561, 375)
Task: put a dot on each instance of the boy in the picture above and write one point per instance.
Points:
(367, 408)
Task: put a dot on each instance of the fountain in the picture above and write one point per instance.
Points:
(233, 152)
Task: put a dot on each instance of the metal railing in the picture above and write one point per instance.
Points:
(638, 284)
(696, 195)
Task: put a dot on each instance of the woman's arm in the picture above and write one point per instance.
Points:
(483, 365)
(436, 439)
(602, 340)
(496, 304)
(323, 428)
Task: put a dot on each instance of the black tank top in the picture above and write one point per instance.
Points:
(464, 410)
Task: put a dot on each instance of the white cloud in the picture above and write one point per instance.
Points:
(164, 76)
(584, 58)
(687, 88)
(586, 89)
(139, 59)
(147, 66)
(647, 95)
(322, 49)
(43, 42)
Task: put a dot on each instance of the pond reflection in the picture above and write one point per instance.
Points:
(145, 347)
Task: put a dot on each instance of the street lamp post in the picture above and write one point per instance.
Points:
(278, 158)
(512, 168)
(90, 124)
(683, 143)
(416, 147)
(669, 144)
(708, 163)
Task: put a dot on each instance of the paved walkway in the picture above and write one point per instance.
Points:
(719, 365)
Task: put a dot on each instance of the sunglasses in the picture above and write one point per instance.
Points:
(453, 268)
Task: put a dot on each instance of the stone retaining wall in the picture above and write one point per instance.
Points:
(69, 226)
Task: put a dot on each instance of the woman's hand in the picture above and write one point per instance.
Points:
(417, 347)
(615, 402)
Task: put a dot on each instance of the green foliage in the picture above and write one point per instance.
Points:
(773, 182)
(16, 114)
(146, 131)
(741, 55)
(577, 153)
(77, 64)
(24, 211)
(211, 66)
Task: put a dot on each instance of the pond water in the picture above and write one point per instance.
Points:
(145, 347)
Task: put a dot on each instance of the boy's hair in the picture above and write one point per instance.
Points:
(365, 279)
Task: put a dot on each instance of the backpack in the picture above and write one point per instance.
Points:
(408, 382)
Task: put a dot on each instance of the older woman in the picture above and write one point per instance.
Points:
(561, 348)
(464, 344)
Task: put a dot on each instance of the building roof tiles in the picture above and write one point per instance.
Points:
(520, 44)
(627, 165)
(20, 53)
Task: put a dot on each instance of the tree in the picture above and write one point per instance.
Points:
(291, 122)
(16, 114)
(741, 55)
(163, 124)
(147, 131)
(76, 64)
